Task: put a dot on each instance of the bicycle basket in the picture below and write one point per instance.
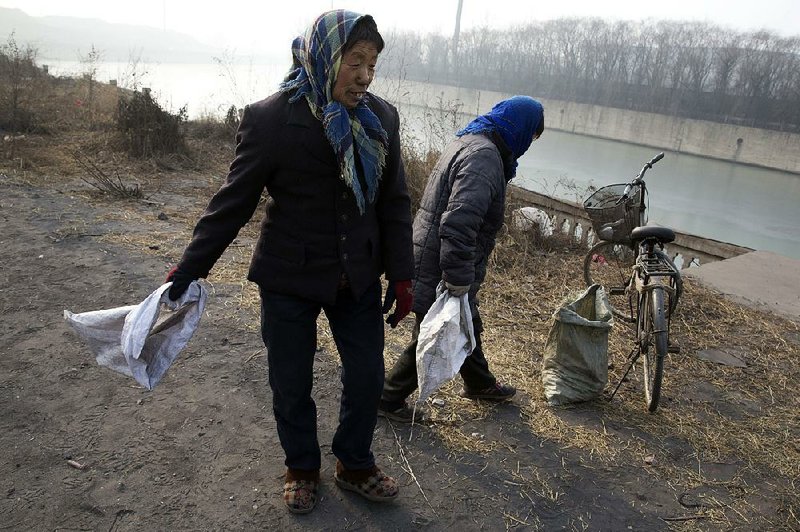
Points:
(611, 221)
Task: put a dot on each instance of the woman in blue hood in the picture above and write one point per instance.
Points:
(455, 230)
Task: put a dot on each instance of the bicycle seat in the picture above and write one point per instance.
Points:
(662, 234)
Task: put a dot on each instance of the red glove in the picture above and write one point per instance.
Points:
(399, 292)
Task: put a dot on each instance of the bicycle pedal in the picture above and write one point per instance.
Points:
(676, 349)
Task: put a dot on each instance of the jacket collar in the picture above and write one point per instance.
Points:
(300, 115)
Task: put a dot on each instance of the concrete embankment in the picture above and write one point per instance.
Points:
(759, 279)
(745, 145)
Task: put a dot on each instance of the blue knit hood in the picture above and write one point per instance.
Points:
(515, 120)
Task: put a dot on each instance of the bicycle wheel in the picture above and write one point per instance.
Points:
(653, 341)
(609, 265)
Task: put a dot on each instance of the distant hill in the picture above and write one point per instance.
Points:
(67, 37)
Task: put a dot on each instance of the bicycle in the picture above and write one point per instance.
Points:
(641, 282)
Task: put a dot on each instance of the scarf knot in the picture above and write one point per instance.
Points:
(356, 135)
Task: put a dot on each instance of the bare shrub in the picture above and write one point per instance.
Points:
(135, 72)
(90, 64)
(421, 147)
(148, 129)
(211, 127)
(418, 167)
(442, 120)
(102, 181)
(18, 77)
(232, 118)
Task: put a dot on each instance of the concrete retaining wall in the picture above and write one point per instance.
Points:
(758, 147)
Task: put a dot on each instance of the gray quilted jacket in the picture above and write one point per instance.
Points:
(459, 216)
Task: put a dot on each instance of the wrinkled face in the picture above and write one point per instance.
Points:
(355, 73)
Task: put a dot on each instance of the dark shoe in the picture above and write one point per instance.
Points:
(370, 483)
(300, 494)
(402, 414)
(498, 392)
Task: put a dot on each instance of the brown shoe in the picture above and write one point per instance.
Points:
(370, 483)
(300, 490)
(402, 413)
(498, 392)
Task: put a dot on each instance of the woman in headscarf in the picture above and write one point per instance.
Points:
(338, 216)
(455, 230)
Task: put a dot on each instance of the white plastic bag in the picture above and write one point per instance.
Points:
(142, 341)
(446, 338)
(526, 218)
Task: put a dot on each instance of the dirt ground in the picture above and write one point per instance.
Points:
(200, 452)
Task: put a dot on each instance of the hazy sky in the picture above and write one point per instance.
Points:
(261, 25)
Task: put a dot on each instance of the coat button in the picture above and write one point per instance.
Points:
(344, 217)
(344, 256)
(344, 195)
(343, 238)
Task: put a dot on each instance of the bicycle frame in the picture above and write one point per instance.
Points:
(652, 317)
(653, 286)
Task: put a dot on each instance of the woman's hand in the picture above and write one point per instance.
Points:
(180, 282)
(398, 292)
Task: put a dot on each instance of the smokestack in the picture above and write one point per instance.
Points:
(456, 34)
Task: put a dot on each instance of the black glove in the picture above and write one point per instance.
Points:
(181, 280)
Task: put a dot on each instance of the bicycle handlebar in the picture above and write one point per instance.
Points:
(639, 179)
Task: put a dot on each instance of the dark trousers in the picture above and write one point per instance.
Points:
(402, 378)
(289, 330)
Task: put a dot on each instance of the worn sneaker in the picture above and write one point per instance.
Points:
(498, 392)
(402, 414)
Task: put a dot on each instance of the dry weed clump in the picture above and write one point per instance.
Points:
(418, 167)
(147, 128)
(211, 127)
(104, 181)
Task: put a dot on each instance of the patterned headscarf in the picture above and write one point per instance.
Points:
(515, 120)
(317, 58)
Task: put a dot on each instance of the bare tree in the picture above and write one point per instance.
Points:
(688, 69)
(18, 73)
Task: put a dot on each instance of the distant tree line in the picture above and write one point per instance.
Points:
(689, 69)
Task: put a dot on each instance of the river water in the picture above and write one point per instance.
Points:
(730, 202)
